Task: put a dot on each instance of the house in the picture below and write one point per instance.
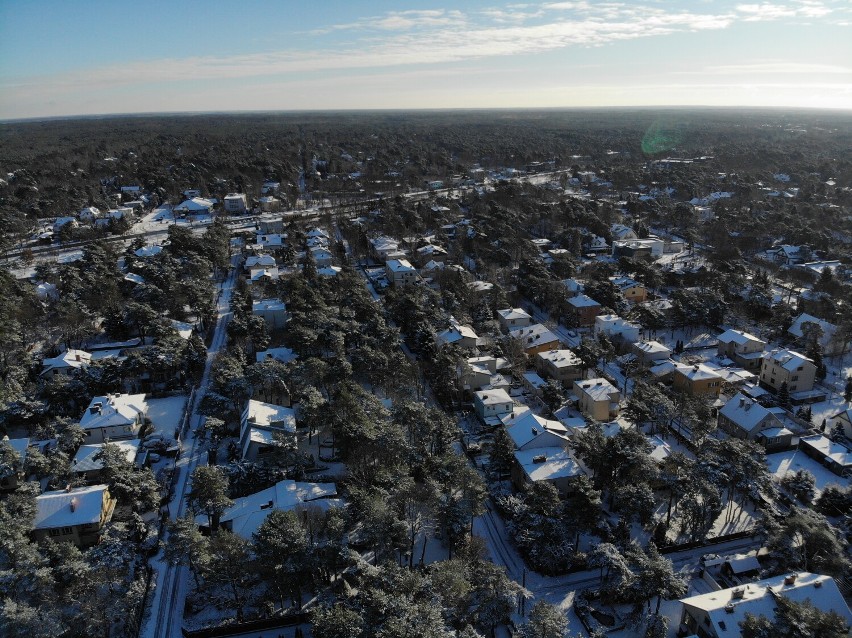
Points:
(744, 418)
(697, 379)
(113, 417)
(561, 364)
(622, 232)
(536, 338)
(841, 421)
(89, 214)
(573, 287)
(61, 222)
(87, 465)
(65, 364)
(582, 310)
(282, 355)
(273, 311)
(786, 366)
(322, 256)
(479, 286)
(649, 353)
(597, 244)
(194, 206)
(786, 255)
(270, 186)
(13, 472)
(631, 290)
(529, 431)
(742, 348)
(247, 513)
(478, 372)
(189, 193)
(259, 424)
(652, 247)
(532, 382)
(400, 272)
(235, 203)
(492, 403)
(262, 260)
(837, 457)
(617, 329)
(151, 250)
(598, 399)
(75, 515)
(269, 241)
(263, 275)
(830, 341)
(719, 613)
(385, 248)
(511, 318)
(456, 334)
(269, 204)
(554, 465)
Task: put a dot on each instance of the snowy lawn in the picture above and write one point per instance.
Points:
(793, 460)
(166, 413)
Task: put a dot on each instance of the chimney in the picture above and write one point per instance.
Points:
(742, 401)
(790, 580)
(74, 503)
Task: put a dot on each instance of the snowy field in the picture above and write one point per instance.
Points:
(794, 460)
(166, 413)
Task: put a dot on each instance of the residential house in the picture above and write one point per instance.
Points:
(385, 248)
(269, 204)
(536, 338)
(259, 424)
(456, 334)
(597, 398)
(113, 417)
(248, 513)
(697, 379)
(273, 311)
(400, 272)
(13, 472)
(151, 250)
(511, 318)
(744, 418)
(718, 614)
(834, 455)
(786, 366)
(282, 355)
(554, 465)
(530, 431)
(270, 187)
(787, 255)
(61, 222)
(235, 203)
(841, 421)
(269, 241)
(479, 372)
(631, 290)
(582, 310)
(75, 515)
(261, 275)
(652, 247)
(532, 382)
(492, 403)
(830, 340)
(194, 206)
(261, 261)
(66, 363)
(597, 244)
(622, 232)
(88, 465)
(617, 329)
(561, 364)
(650, 353)
(742, 348)
(322, 256)
(573, 287)
(89, 214)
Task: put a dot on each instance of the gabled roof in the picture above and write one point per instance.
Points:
(828, 329)
(513, 313)
(492, 397)
(583, 301)
(112, 410)
(697, 372)
(534, 335)
(598, 389)
(195, 204)
(262, 260)
(68, 508)
(399, 265)
(548, 463)
(68, 359)
(652, 347)
(85, 460)
(529, 426)
(746, 413)
(560, 358)
(738, 336)
(787, 359)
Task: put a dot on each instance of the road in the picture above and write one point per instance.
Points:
(172, 580)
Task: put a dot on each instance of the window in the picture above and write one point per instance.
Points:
(795, 377)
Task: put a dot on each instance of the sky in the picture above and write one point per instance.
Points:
(70, 57)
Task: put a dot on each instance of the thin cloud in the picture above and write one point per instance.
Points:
(768, 11)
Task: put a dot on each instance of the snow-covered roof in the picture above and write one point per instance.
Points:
(284, 355)
(535, 334)
(195, 204)
(399, 265)
(134, 278)
(652, 347)
(534, 379)
(263, 260)
(492, 397)
(737, 336)
(727, 609)
(270, 415)
(265, 305)
(562, 358)
(148, 251)
(480, 286)
(828, 329)
(625, 283)
(582, 301)
(513, 313)
(839, 454)
(548, 463)
(788, 359)
(68, 359)
(69, 507)
(597, 389)
(329, 271)
(113, 409)
(183, 329)
(85, 461)
(698, 372)
(745, 413)
(247, 514)
(529, 426)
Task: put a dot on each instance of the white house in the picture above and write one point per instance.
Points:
(235, 203)
(194, 206)
(511, 318)
(65, 363)
(322, 256)
(262, 260)
(492, 403)
(456, 334)
(259, 424)
(273, 311)
(114, 416)
(400, 272)
(74, 515)
(617, 328)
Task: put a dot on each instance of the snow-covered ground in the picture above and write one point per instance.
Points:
(166, 413)
(794, 460)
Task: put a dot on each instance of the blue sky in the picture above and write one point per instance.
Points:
(68, 57)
